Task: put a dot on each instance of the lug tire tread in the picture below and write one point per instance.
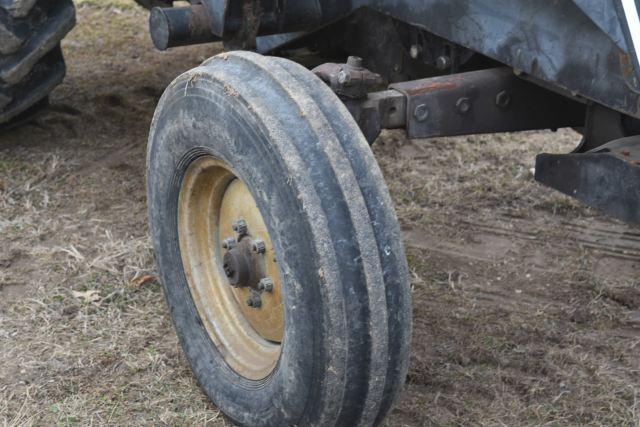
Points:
(31, 61)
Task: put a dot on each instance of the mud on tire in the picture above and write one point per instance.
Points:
(31, 62)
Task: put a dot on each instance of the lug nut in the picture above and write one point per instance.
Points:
(240, 227)
(229, 243)
(259, 246)
(254, 300)
(266, 285)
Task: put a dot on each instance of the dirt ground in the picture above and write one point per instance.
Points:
(526, 304)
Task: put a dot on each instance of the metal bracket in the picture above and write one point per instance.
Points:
(603, 125)
(606, 178)
(485, 101)
(379, 110)
(350, 80)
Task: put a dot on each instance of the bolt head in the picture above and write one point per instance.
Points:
(503, 99)
(240, 227)
(254, 301)
(463, 105)
(266, 285)
(443, 62)
(354, 61)
(259, 246)
(344, 77)
(414, 51)
(421, 113)
(229, 243)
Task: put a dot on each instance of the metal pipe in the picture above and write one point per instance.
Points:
(180, 26)
(275, 17)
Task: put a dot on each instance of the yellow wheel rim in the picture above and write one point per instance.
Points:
(247, 333)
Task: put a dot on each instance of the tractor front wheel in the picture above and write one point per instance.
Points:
(278, 246)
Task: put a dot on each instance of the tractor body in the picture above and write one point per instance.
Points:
(462, 67)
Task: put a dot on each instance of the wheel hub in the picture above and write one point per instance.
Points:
(239, 267)
(243, 264)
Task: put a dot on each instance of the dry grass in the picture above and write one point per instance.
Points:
(517, 320)
(80, 341)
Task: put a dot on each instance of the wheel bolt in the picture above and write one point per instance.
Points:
(240, 227)
(265, 284)
(254, 300)
(259, 246)
(229, 243)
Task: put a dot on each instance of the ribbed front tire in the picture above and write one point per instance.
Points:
(336, 240)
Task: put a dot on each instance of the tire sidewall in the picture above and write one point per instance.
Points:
(184, 130)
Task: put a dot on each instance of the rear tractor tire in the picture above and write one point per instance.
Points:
(31, 62)
(278, 246)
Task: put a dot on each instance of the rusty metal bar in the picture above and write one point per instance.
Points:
(485, 101)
